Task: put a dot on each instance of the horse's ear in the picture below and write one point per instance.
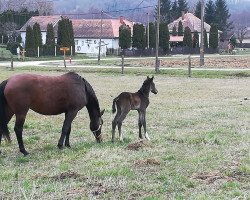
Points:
(147, 77)
(152, 77)
(102, 112)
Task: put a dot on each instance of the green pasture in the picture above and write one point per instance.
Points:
(199, 149)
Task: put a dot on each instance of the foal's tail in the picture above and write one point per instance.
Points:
(113, 106)
(3, 122)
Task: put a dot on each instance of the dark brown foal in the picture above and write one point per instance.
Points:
(127, 101)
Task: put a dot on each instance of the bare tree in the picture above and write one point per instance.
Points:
(242, 31)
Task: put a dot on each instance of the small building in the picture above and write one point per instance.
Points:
(43, 21)
(87, 32)
(191, 21)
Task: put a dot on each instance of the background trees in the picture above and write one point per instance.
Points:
(139, 37)
(124, 37)
(213, 38)
(164, 37)
(65, 34)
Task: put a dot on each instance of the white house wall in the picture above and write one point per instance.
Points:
(91, 45)
(23, 35)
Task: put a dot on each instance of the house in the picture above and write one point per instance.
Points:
(87, 32)
(245, 38)
(43, 21)
(191, 21)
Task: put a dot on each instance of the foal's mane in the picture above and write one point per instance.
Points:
(144, 88)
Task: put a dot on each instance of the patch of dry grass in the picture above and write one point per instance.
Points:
(198, 128)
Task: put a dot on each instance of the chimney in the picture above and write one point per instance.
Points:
(121, 19)
(182, 15)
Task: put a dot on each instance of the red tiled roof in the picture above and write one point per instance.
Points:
(193, 22)
(91, 28)
(43, 21)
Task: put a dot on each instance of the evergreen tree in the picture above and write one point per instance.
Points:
(182, 7)
(196, 39)
(50, 36)
(124, 37)
(139, 37)
(165, 11)
(233, 41)
(19, 39)
(174, 11)
(205, 39)
(174, 31)
(197, 11)
(222, 16)
(187, 39)
(210, 12)
(65, 34)
(152, 34)
(164, 37)
(29, 42)
(37, 35)
(180, 29)
(50, 40)
(213, 36)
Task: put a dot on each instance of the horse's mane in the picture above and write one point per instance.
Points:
(92, 99)
(144, 86)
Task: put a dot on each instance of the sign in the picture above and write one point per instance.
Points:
(64, 49)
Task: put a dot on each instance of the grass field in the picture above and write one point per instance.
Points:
(199, 148)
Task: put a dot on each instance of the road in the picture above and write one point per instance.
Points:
(60, 63)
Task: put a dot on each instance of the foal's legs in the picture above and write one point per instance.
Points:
(69, 117)
(20, 119)
(114, 122)
(119, 122)
(142, 122)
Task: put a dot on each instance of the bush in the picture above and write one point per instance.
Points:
(12, 47)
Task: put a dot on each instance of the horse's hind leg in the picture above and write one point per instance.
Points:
(5, 132)
(115, 122)
(69, 117)
(20, 119)
(119, 122)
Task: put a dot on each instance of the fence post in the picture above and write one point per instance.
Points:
(38, 51)
(122, 63)
(55, 51)
(189, 66)
(11, 63)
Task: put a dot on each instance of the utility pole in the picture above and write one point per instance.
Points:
(157, 63)
(148, 30)
(202, 35)
(100, 41)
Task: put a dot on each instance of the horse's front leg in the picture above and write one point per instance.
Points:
(69, 117)
(144, 125)
(140, 124)
(20, 119)
(67, 144)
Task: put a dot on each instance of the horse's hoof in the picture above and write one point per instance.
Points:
(60, 146)
(25, 153)
(68, 146)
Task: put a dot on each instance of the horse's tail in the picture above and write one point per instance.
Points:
(113, 106)
(3, 122)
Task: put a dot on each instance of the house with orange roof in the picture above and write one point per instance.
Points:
(87, 32)
(191, 21)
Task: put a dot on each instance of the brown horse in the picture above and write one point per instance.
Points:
(127, 101)
(47, 95)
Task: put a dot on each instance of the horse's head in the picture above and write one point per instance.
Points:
(152, 85)
(96, 127)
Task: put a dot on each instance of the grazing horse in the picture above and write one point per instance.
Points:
(127, 101)
(47, 95)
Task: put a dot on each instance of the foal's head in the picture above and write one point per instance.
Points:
(152, 85)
